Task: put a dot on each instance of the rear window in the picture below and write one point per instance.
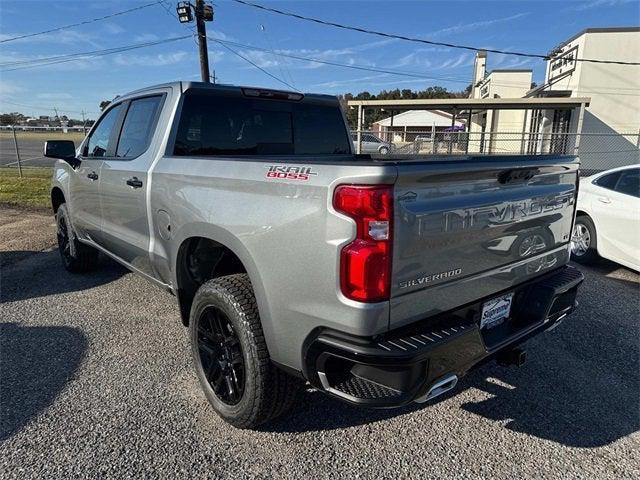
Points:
(608, 181)
(213, 124)
(629, 182)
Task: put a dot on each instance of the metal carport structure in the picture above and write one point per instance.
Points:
(458, 106)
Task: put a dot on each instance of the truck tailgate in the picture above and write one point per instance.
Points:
(467, 229)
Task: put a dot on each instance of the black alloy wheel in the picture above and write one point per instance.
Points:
(64, 242)
(221, 355)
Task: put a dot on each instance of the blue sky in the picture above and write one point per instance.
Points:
(529, 26)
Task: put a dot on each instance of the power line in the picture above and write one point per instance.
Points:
(252, 63)
(335, 64)
(417, 75)
(46, 61)
(348, 65)
(84, 22)
(417, 40)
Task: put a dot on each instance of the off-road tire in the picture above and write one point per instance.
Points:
(268, 391)
(591, 254)
(76, 256)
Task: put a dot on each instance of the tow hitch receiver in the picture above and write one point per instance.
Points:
(515, 356)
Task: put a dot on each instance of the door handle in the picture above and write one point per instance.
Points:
(92, 176)
(604, 199)
(134, 182)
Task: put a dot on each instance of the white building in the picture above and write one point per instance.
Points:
(611, 122)
(497, 130)
(406, 126)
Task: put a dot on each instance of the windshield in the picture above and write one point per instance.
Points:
(214, 124)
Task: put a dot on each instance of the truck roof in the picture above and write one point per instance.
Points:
(185, 85)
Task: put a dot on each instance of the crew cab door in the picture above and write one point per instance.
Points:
(86, 211)
(124, 181)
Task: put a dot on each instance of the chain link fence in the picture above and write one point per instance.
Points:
(597, 151)
(21, 147)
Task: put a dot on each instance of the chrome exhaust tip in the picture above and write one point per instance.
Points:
(441, 386)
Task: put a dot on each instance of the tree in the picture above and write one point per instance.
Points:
(11, 118)
(373, 115)
(104, 104)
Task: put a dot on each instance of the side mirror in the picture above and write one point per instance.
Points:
(62, 149)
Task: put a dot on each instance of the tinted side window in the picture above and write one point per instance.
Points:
(99, 140)
(608, 181)
(629, 182)
(137, 127)
(214, 124)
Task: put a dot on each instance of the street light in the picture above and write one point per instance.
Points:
(203, 13)
(184, 12)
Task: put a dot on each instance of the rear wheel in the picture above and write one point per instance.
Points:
(584, 240)
(76, 256)
(231, 357)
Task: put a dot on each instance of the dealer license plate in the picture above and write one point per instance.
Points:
(496, 310)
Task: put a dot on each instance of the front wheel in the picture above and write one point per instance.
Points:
(231, 358)
(384, 150)
(76, 256)
(584, 241)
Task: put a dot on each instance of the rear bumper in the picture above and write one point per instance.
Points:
(422, 360)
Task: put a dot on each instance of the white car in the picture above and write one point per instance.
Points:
(608, 218)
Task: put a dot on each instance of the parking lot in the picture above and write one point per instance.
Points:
(96, 381)
(30, 146)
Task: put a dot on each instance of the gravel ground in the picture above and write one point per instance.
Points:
(96, 381)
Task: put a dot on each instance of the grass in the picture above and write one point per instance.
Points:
(31, 191)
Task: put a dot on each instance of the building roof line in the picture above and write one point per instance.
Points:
(511, 70)
(480, 103)
(599, 30)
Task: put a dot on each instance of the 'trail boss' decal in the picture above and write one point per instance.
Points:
(290, 173)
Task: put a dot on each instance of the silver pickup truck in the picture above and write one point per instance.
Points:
(380, 281)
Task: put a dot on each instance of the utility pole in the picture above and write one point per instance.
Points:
(202, 41)
(203, 13)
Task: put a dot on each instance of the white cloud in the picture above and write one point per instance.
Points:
(158, 60)
(464, 59)
(465, 27)
(219, 35)
(582, 6)
(63, 37)
(8, 88)
(415, 59)
(351, 81)
(113, 28)
(145, 37)
(76, 64)
(54, 96)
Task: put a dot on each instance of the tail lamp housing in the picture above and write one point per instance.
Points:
(365, 263)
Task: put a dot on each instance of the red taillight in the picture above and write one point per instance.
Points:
(365, 263)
